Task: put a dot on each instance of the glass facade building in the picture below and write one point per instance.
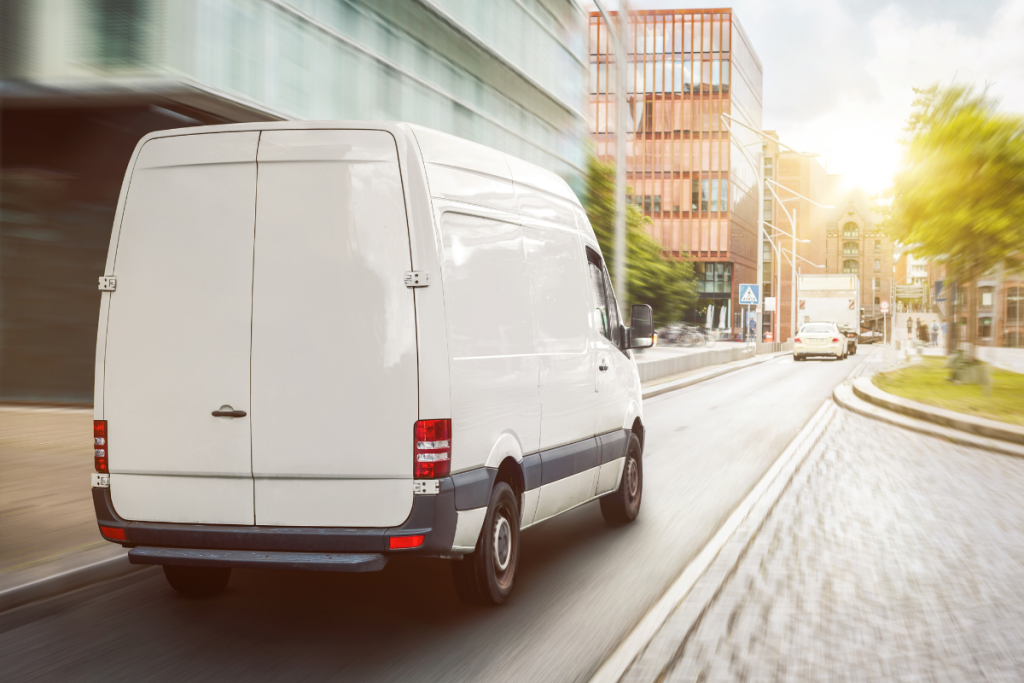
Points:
(83, 80)
(686, 69)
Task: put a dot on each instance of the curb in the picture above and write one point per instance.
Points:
(664, 388)
(866, 390)
(655, 644)
(845, 396)
(63, 574)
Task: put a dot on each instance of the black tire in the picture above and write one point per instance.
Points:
(197, 582)
(623, 504)
(796, 358)
(487, 575)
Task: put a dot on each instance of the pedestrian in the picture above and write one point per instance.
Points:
(910, 326)
(935, 333)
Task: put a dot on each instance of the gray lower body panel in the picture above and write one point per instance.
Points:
(260, 559)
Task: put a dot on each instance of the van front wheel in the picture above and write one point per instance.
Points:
(623, 505)
(197, 582)
(486, 575)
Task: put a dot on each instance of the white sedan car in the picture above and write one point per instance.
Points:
(819, 339)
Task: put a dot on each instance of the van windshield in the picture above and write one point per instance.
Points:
(816, 328)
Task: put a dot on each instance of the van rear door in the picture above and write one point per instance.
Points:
(178, 333)
(334, 376)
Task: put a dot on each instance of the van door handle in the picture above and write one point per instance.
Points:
(228, 413)
(602, 367)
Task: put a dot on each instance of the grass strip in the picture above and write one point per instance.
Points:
(928, 382)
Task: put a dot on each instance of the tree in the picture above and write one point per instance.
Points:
(959, 198)
(666, 284)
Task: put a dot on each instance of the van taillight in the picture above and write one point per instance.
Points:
(797, 340)
(432, 450)
(835, 339)
(99, 437)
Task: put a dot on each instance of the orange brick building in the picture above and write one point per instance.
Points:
(686, 69)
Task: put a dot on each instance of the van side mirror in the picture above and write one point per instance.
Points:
(641, 330)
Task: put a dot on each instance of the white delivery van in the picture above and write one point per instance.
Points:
(324, 344)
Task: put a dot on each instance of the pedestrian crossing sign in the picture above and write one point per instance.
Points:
(750, 295)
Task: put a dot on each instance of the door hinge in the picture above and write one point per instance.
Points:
(421, 486)
(417, 278)
(108, 284)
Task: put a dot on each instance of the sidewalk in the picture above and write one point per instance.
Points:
(45, 495)
(890, 556)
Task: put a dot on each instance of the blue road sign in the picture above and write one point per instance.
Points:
(750, 295)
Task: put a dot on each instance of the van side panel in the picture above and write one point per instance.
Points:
(178, 332)
(334, 385)
(494, 367)
(560, 304)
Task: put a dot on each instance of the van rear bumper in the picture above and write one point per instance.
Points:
(433, 516)
(260, 559)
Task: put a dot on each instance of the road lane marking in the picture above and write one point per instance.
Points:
(630, 648)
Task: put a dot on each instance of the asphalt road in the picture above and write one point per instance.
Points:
(581, 586)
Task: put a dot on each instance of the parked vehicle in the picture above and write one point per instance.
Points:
(820, 339)
(324, 344)
(835, 298)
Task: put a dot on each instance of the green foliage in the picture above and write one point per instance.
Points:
(959, 198)
(666, 284)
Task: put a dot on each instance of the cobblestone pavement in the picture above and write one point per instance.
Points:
(891, 556)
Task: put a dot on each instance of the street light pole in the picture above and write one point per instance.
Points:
(619, 239)
(759, 311)
(792, 223)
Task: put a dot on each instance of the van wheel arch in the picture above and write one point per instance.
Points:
(638, 429)
(511, 472)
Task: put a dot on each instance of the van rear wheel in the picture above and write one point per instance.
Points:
(486, 576)
(197, 582)
(623, 504)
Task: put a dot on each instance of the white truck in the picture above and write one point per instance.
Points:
(831, 298)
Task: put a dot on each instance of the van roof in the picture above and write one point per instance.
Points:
(435, 147)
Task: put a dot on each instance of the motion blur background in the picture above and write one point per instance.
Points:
(84, 80)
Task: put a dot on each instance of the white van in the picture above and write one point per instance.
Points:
(324, 344)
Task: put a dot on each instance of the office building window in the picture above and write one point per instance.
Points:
(987, 294)
(878, 265)
(851, 267)
(878, 283)
(657, 203)
(705, 186)
(768, 167)
(695, 195)
(723, 201)
(713, 277)
(851, 231)
(878, 300)
(878, 246)
(1014, 309)
(985, 327)
(768, 210)
(851, 248)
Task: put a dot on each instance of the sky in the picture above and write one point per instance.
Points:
(839, 74)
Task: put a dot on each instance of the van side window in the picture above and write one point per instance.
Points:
(600, 307)
(613, 306)
(606, 313)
